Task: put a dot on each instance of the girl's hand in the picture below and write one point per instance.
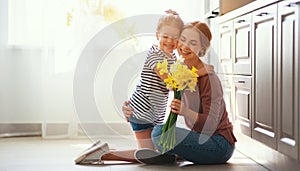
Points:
(127, 110)
(207, 69)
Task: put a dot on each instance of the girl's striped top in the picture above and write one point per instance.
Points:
(150, 97)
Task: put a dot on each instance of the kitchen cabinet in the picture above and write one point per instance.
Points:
(235, 62)
(264, 53)
(242, 70)
(229, 5)
(288, 78)
(262, 45)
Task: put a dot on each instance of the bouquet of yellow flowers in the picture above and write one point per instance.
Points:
(180, 78)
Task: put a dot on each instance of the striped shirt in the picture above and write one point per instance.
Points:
(149, 100)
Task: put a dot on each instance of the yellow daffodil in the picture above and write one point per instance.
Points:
(170, 84)
(194, 71)
(180, 77)
(163, 67)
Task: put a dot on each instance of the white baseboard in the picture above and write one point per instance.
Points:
(65, 129)
(20, 129)
(83, 130)
(104, 129)
(56, 130)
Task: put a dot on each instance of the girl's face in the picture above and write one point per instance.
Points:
(168, 38)
(189, 44)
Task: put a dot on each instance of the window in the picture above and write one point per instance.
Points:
(62, 28)
(25, 22)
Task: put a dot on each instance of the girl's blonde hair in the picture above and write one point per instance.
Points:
(171, 18)
(205, 35)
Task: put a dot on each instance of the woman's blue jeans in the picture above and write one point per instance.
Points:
(197, 148)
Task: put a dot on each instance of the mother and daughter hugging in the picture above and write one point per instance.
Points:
(207, 136)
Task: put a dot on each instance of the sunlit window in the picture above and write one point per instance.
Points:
(39, 22)
(25, 22)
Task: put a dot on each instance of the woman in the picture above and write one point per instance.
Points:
(208, 137)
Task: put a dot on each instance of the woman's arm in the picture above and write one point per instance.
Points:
(211, 104)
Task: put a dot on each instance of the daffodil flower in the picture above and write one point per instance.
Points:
(180, 78)
(163, 67)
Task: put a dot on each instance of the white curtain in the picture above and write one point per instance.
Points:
(45, 38)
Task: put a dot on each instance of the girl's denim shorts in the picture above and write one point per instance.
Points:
(139, 125)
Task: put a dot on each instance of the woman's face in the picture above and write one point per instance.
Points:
(189, 44)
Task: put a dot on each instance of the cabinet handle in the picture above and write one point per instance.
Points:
(240, 82)
(241, 21)
(224, 27)
(263, 14)
(215, 13)
(291, 5)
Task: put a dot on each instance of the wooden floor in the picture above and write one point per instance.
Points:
(37, 154)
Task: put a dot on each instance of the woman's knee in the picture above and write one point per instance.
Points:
(155, 135)
(157, 130)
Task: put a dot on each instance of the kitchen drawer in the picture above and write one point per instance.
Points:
(242, 82)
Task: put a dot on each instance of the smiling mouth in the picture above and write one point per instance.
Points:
(184, 52)
(169, 46)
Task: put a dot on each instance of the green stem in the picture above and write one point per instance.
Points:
(168, 136)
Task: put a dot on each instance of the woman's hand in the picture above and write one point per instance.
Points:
(177, 107)
(127, 110)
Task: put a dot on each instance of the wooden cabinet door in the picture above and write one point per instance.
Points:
(226, 81)
(288, 78)
(225, 51)
(264, 53)
(242, 45)
(243, 103)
